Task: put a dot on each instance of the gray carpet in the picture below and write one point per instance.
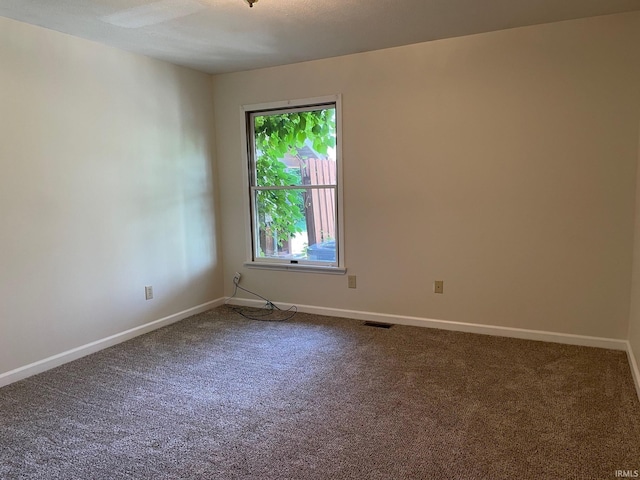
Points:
(217, 396)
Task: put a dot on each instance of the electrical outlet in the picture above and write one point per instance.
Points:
(352, 281)
(236, 278)
(148, 292)
(438, 286)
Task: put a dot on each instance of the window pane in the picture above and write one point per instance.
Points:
(296, 224)
(295, 148)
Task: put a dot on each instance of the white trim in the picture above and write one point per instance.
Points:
(299, 267)
(302, 103)
(340, 177)
(635, 371)
(84, 350)
(246, 184)
(286, 104)
(539, 335)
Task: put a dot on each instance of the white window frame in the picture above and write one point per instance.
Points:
(247, 144)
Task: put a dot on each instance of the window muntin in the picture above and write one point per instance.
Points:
(293, 158)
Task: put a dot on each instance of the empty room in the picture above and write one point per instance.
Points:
(278, 239)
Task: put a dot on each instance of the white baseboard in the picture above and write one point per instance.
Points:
(610, 343)
(75, 353)
(635, 371)
(539, 335)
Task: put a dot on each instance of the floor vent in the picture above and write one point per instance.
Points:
(378, 324)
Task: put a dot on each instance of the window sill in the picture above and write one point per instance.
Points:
(297, 268)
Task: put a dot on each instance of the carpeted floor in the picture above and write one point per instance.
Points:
(217, 396)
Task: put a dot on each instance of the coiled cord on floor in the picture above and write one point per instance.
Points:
(270, 312)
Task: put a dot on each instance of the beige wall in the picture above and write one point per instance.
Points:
(105, 186)
(634, 322)
(502, 163)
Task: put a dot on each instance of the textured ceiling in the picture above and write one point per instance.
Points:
(218, 36)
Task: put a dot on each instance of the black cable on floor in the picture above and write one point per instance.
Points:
(268, 312)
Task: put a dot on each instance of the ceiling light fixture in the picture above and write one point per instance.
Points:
(251, 2)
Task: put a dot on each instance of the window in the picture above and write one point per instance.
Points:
(294, 180)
